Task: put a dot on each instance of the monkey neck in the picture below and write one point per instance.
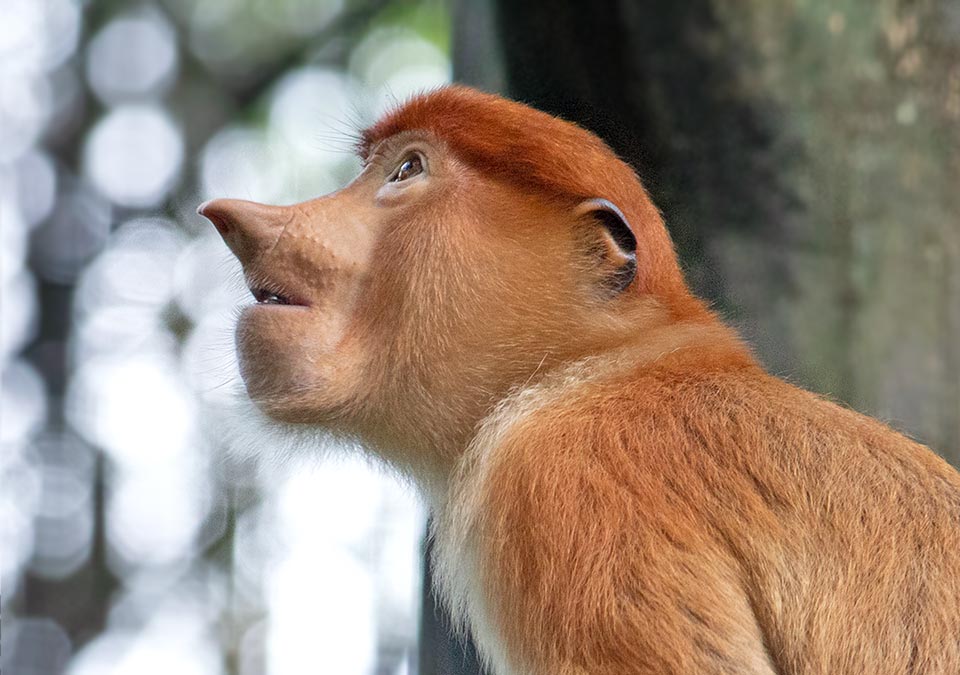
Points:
(452, 453)
(710, 343)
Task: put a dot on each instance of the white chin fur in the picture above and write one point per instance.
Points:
(247, 434)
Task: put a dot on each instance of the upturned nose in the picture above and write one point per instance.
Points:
(248, 228)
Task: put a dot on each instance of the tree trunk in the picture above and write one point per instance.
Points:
(805, 157)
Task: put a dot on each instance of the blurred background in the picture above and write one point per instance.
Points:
(804, 152)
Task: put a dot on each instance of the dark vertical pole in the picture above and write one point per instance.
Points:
(649, 79)
(442, 652)
(476, 61)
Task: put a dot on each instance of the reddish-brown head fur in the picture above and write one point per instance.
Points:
(547, 156)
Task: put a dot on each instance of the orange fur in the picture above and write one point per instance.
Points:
(618, 487)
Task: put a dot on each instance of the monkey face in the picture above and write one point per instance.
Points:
(336, 282)
(403, 307)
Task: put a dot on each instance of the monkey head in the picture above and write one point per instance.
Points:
(482, 244)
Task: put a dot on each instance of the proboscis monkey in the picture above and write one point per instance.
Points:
(494, 307)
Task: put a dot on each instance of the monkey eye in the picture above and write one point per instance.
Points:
(411, 166)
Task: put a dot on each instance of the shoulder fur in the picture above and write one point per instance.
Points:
(460, 510)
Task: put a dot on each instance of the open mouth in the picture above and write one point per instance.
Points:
(269, 290)
(265, 296)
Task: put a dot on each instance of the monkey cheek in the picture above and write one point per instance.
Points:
(288, 370)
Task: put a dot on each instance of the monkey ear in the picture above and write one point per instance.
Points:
(617, 250)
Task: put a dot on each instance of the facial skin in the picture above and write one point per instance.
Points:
(289, 343)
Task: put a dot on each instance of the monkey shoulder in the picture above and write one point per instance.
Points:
(589, 516)
(714, 436)
(726, 505)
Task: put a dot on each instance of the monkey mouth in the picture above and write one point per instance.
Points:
(265, 295)
(271, 287)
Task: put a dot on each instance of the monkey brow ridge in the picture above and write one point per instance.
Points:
(509, 140)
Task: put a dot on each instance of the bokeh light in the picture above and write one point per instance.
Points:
(239, 162)
(25, 106)
(35, 185)
(74, 233)
(39, 35)
(35, 646)
(313, 119)
(17, 319)
(134, 155)
(397, 63)
(133, 57)
(183, 532)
